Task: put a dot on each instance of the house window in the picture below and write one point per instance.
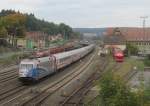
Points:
(139, 43)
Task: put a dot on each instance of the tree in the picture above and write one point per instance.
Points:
(131, 49)
(146, 95)
(65, 30)
(15, 24)
(76, 35)
(3, 32)
(114, 92)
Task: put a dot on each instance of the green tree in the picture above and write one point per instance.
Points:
(115, 93)
(65, 30)
(3, 32)
(146, 95)
(16, 24)
(131, 49)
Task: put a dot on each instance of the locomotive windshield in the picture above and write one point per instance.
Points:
(26, 66)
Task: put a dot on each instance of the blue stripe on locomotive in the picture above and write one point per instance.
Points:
(33, 73)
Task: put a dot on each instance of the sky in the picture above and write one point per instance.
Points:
(85, 13)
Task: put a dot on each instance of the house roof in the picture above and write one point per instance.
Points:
(133, 34)
(113, 38)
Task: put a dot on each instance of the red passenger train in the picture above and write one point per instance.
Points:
(118, 55)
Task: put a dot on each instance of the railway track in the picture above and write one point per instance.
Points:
(7, 66)
(4, 79)
(10, 86)
(75, 98)
(129, 75)
(37, 96)
(116, 67)
(8, 75)
(7, 72)
(12, 91)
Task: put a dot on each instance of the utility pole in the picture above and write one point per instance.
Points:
(141, 75)
(64, 35)
(144, 30)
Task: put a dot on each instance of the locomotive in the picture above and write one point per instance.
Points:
(118, 55)
(35, 69)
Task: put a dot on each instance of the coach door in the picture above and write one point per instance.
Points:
(52, 63)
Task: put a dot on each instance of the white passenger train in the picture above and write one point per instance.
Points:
(35, 69)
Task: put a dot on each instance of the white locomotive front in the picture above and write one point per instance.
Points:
(27, 69)
(34, 69)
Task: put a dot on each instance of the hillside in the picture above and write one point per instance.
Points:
(17, 23)
(98, 31)
(14, 25)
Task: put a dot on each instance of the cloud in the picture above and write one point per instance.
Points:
(85, 13)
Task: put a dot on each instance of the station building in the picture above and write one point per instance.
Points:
(138, 37)
(135, 36)
(114, 39)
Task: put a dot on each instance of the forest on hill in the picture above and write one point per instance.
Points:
(17, 23)
(12, 22)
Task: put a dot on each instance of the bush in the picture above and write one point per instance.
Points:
(14, 59)
(132, 49)
(114, 92)
(147, 61)
(147, 94)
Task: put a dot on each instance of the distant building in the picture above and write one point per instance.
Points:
(135, 36)
(115, 39)
(89, 36)
(55, 37)
(37, 39)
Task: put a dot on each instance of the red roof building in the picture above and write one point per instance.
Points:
(132, 34)
(137, 36)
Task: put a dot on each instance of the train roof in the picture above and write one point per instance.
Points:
(69, 53)
(29, 61)
(58, 56)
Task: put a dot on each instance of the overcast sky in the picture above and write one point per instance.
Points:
(85, 13)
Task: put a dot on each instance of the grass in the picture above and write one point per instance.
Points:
(111, 63)
(4, 49)
(128, 66)
(96, 102)
(58, 42)
(138, 63)
(8, 60)
(13, 59)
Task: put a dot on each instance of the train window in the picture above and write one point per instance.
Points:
(23, 66)
(26, 66)
(63, 59)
